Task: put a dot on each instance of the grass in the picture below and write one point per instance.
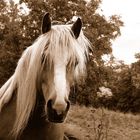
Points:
(102, 124)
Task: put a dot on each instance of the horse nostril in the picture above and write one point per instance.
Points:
(62, 109)
(68, 106)
(49, 104)
(57, 111)
(58, 107)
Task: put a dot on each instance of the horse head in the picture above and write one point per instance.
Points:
(56, 88)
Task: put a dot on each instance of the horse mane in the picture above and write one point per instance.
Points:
(51, 44)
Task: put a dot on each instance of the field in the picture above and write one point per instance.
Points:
(102, 124)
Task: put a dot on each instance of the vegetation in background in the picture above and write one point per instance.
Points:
(102, 124)
(20, 27)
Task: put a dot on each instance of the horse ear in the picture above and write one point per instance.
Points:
(46, 24)
(76, 27)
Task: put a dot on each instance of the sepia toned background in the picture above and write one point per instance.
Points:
(113, 75)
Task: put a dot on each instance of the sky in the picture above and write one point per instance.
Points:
(125, 46)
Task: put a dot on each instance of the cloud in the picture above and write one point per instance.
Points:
(128, 43)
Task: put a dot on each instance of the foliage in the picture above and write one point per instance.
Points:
(19, 28)
(123, 80)
(10, 37)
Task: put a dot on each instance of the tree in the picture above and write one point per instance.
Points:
(10, 38)
(100, 31)
(123, 80)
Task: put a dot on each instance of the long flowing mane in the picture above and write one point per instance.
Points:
(50, 45)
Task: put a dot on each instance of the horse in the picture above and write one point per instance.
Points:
(34, 102)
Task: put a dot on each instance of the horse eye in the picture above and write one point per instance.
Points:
(76, 62)
(42, 58)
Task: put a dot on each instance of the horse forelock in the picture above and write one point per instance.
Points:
(46, 49)
(61, 41)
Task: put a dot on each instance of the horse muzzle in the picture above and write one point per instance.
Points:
(53, 115)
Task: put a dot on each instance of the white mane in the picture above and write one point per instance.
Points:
(57, 41)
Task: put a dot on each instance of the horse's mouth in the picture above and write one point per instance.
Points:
(53, 116)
